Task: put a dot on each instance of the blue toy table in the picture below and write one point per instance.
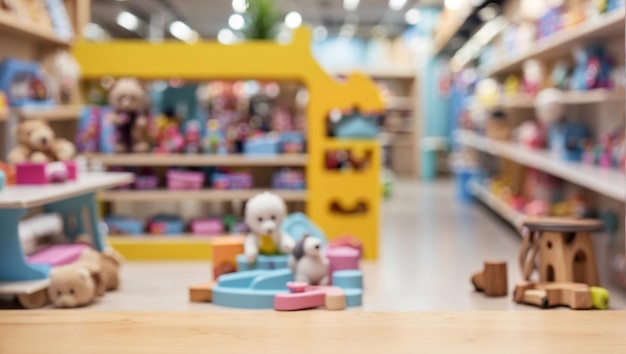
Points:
(75, 201)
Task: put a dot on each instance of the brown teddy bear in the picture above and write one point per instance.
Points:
(38, 143)
(127, 97)
(71, 286)
(104, 267)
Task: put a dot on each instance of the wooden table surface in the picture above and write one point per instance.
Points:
(318, 331)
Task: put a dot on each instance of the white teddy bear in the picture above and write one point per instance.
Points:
(264, 214)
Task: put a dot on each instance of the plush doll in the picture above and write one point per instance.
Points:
(104, 267)
(308, 262)
(71, 286)
(38, 143)
(127, 98)
(264, 214)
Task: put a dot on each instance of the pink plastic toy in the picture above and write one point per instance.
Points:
(181, 180)
(44, 173)
(302, 297)
(347, 241)
(342, 258)
(207, 227)
(58, 255)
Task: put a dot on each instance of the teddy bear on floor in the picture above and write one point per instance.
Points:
(71, 286)
(36, 142)
(308, 262)
(108, 264)
(264, 213)
(127, 98)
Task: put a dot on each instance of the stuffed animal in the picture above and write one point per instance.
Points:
(127, 97)
(264, 214)
(107, 265)
(308, 262)
(71, 286)
(38, 143)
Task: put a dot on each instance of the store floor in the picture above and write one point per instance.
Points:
(430, 245)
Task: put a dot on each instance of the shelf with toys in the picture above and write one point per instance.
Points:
(496, 204)
(354, 210)
(151, 159)
(17, 26)
(199, 195)
(608, 182)
(65, 112)
(603, 27)
(594, 96)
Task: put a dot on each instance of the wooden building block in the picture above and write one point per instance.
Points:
(225, 251)
(577, 296)
(201, 292)
(492, 280)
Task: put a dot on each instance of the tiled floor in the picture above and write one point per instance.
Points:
(430, 245)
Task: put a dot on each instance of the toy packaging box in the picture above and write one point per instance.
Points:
(88, 135)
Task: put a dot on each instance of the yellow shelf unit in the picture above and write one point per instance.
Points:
(265, 60)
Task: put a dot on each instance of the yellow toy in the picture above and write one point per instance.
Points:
(268, 60)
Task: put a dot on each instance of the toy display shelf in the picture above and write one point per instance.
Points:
(595, 96)
(209, 60)
(199, 159)
(608, 182)
(555, 46)
(34, 196)
(31, 31)
(400, 103)
(54, 113)
(147, 246)
(160, 195)
(496, 204)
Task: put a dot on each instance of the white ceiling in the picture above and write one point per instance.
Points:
(207, 17)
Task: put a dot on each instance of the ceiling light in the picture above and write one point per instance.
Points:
(320, 33)
(350, 5)
(293, 19)
(226, 36)
(128, 21)
(412, 17)
(236, 22)
(183, 32)
(396, 5)
(452, 4)
(240, 6)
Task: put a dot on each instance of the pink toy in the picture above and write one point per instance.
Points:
(342, 258)
(44, 173)
(181, 180)
(302, 296)
(58, 255)
(347, 241)
(207, 227)
(146, 182)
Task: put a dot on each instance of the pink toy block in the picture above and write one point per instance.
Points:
(181, 180)
(44, 173)
(302, 296)
(58, 255)
(207, 227)
(342, 258)
(347, 241)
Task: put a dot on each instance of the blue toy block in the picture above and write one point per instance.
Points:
(264, 145)
(163, 224)
(262, 262)
(298, 224)
(351, 281)
(251, 289)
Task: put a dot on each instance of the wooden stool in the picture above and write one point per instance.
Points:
(564, 248)
(492, 280)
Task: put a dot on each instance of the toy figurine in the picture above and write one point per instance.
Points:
(169, 137)
(127, 97)
(214, 140)
(308, 262)
(264, 214)
(192, 137)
